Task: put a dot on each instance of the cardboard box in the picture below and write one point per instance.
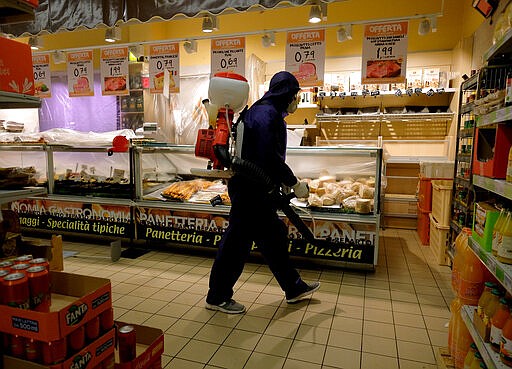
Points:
(76, 299)
(402, 169)
(484, 218)
(150, 347)
(492, 145)
(16, 74)
(90, 356)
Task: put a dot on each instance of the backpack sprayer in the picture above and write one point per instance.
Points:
(221, 144)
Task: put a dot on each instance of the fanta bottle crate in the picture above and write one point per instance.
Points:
(423, 226)
(438, 237)
(441, 201)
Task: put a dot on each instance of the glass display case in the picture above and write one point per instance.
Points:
(174, 206)
(89, 171)
(23, 165)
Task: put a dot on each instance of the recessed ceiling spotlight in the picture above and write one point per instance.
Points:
(210, 23)
(344, 33)
(190, 46)
(113, 34)
(269, 39)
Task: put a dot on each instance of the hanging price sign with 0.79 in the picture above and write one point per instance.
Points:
(42, 76)
(305, 56)
(228, 55)
(384, 53)
(164, 68)
(80, 73)
(114, 71)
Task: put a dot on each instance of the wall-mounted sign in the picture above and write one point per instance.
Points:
(164, 57)
(80, 73)
(305, 56)
(228, 55)
(384, 53)
(42, 76)
(114, 71)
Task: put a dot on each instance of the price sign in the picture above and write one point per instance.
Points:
(384, 53)
(228, 55)
(114, 71)
(42, 76)
(80, 73)
(162, 58)
(305, 57)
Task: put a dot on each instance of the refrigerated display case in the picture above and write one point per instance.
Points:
(346, 237)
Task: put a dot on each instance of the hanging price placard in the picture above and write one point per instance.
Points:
(305, 57)
(228, 55)
(114, 71)
(80, 73)
(384, 53)
(42, 77)
(164, 57)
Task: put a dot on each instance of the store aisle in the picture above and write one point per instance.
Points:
(393, 318)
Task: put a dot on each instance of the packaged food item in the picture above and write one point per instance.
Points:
(92, 329)
(506, 344)
(471, 280)
(40, 261)
(497, 237)
(76, 339)
(32, 350)
(126, 339)
(17, 346)
(6, 265)
(492, 306)
(106, 320)
(24, 259)
(498, 320)
(20, 267)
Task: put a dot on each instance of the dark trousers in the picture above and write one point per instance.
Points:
(253, 218)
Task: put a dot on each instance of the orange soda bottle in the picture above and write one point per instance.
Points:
(498, 320)
(471, 282)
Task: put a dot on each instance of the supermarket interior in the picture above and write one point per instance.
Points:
(122, 125)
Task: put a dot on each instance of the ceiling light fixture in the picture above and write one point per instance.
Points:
(433, 24)
(315, 14)
(269, 39)
(59, 57)
(424, 27)
(35, 43)
(113, 34)
(190, 46)
(344, 33)
(210, 23)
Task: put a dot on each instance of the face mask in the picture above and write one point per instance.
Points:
(293, 105)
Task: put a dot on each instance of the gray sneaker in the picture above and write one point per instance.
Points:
(228, 307)
(304, 290)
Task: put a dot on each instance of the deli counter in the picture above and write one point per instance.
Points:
(149, 194)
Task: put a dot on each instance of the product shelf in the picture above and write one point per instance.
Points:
(13, 195)
(503, 46)
(498, 186)
(9, 100)
(501, 271)
(497, 116)
(491, 358)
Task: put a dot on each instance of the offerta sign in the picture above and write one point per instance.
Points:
(42, 76)
(162, 58)
(114, 71)
(305, 56)
(80, 73)
(384, 53)
(228, 55)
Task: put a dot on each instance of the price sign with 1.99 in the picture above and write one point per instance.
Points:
(384, 52)
(115, 70)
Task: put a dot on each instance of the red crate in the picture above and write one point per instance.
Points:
(423, 226)
(425, 193)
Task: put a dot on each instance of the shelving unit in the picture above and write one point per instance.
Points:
(9, 100)
(491, 358)
(131, 107)
(484, 186)
(463, 191)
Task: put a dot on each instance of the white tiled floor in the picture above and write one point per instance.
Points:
(395, 317)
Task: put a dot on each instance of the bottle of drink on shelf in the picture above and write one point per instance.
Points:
(459, 259)
(498, 320)
(472, 279)
(505, 247)
(455, 306)
(459, 338)
(470, 356)
(506, 343)
(496, 232)
(477, 360)
(485, 297)
(492, 306)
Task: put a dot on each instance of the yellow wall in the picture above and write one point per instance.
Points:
(450, 28)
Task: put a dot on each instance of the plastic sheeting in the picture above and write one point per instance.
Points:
(53, 15)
